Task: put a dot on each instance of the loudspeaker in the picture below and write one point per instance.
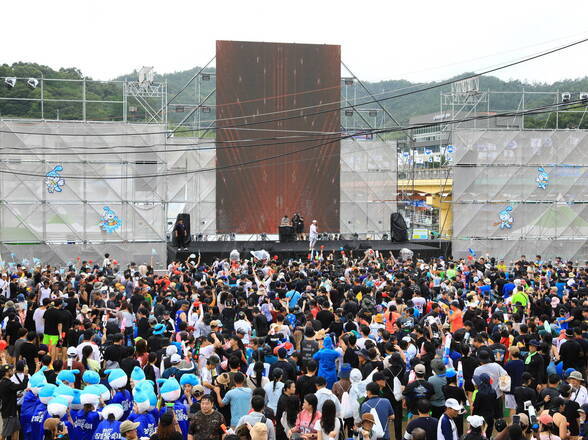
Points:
(287, 234)
(186, 217)
(398, 229)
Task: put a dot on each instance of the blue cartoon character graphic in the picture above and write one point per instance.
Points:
(54, 181)
(506, 219)
(542, 178)
(109, 221)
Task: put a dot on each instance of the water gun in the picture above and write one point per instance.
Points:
(446, 350)
(460, 381)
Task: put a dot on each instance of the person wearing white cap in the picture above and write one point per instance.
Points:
(447, 429)
(476, 425)
(313, 237)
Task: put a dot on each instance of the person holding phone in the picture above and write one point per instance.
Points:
(55, 429)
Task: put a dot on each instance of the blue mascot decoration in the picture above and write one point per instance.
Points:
(506, 219)
(54, 181)
(542, 178)
(109, 221)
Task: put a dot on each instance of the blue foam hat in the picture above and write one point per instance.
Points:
(90, 395)
(47, 392)
(189, 379)
(65, 391)
(117, 378)
(38, 380)
(104, 391)
(116, 409)
(91, 377)
(68, 376)
(137, 375)
(57, 406)
(170, 390)
(142, 400)
(158, 329)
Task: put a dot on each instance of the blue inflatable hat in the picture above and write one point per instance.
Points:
(137, 375)
(115, 409)
(91, 377)
(68, 376)
(38, 381)
(170, 390)
(117, 378)
(57, 406)
(189, 379)
(91, 395)
(46, 393)
(142, 401)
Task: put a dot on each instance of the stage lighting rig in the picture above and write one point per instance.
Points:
(32, 83)
(566, 97)
(10, 82)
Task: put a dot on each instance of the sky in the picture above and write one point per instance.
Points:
(415, 40)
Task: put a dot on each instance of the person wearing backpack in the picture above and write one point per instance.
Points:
(394, 374)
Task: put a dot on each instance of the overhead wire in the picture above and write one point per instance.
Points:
(431, 87)
(537, 110)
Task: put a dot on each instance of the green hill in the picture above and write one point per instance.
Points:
(402, 107)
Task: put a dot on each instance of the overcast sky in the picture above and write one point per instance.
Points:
(415, 40)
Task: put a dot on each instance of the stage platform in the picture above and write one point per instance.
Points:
(210, 250)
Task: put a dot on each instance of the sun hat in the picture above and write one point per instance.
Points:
(455, 405)
(576, 375)
(475, 421)
(127, 426)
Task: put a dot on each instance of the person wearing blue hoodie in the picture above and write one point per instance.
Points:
(29, 403)
(85, 423)
(117, 379)
(141, 415)
(170, 392)
(109, 428)
(326, 358)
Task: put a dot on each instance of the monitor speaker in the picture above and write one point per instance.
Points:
(398, 229)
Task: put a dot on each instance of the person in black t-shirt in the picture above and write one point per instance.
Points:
(423, 421)
(307, 384)
(180, 233)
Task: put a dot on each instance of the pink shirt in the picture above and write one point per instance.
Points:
(303, 423)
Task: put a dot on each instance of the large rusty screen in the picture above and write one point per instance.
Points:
(278, 125)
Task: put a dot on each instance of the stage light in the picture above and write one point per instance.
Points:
(372, 113)
(355, 236)
(205, 77)
(199, 237)
(232, 236)
(385, 237)
(584, 96)
(565, 97)
(205, 109)
(263, 236)
(10, 82)
(180, 109)
(32, 83)
(348, 112)
(348, 81)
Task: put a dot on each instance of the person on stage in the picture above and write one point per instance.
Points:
(285, 221)
(313, 237)
(298, 223)
(181, 234)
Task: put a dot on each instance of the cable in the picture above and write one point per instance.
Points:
(537, 110)
(434, 86)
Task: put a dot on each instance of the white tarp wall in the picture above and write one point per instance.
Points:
(495, 170)
(193, 188)
(60, 226)
(368, 187)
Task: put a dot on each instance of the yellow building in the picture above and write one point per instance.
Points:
(437, 193)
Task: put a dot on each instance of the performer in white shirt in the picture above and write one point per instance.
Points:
(313, 237)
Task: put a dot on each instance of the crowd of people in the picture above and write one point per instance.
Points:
(341, 346)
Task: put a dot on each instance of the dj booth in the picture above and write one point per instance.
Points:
(287, 234)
